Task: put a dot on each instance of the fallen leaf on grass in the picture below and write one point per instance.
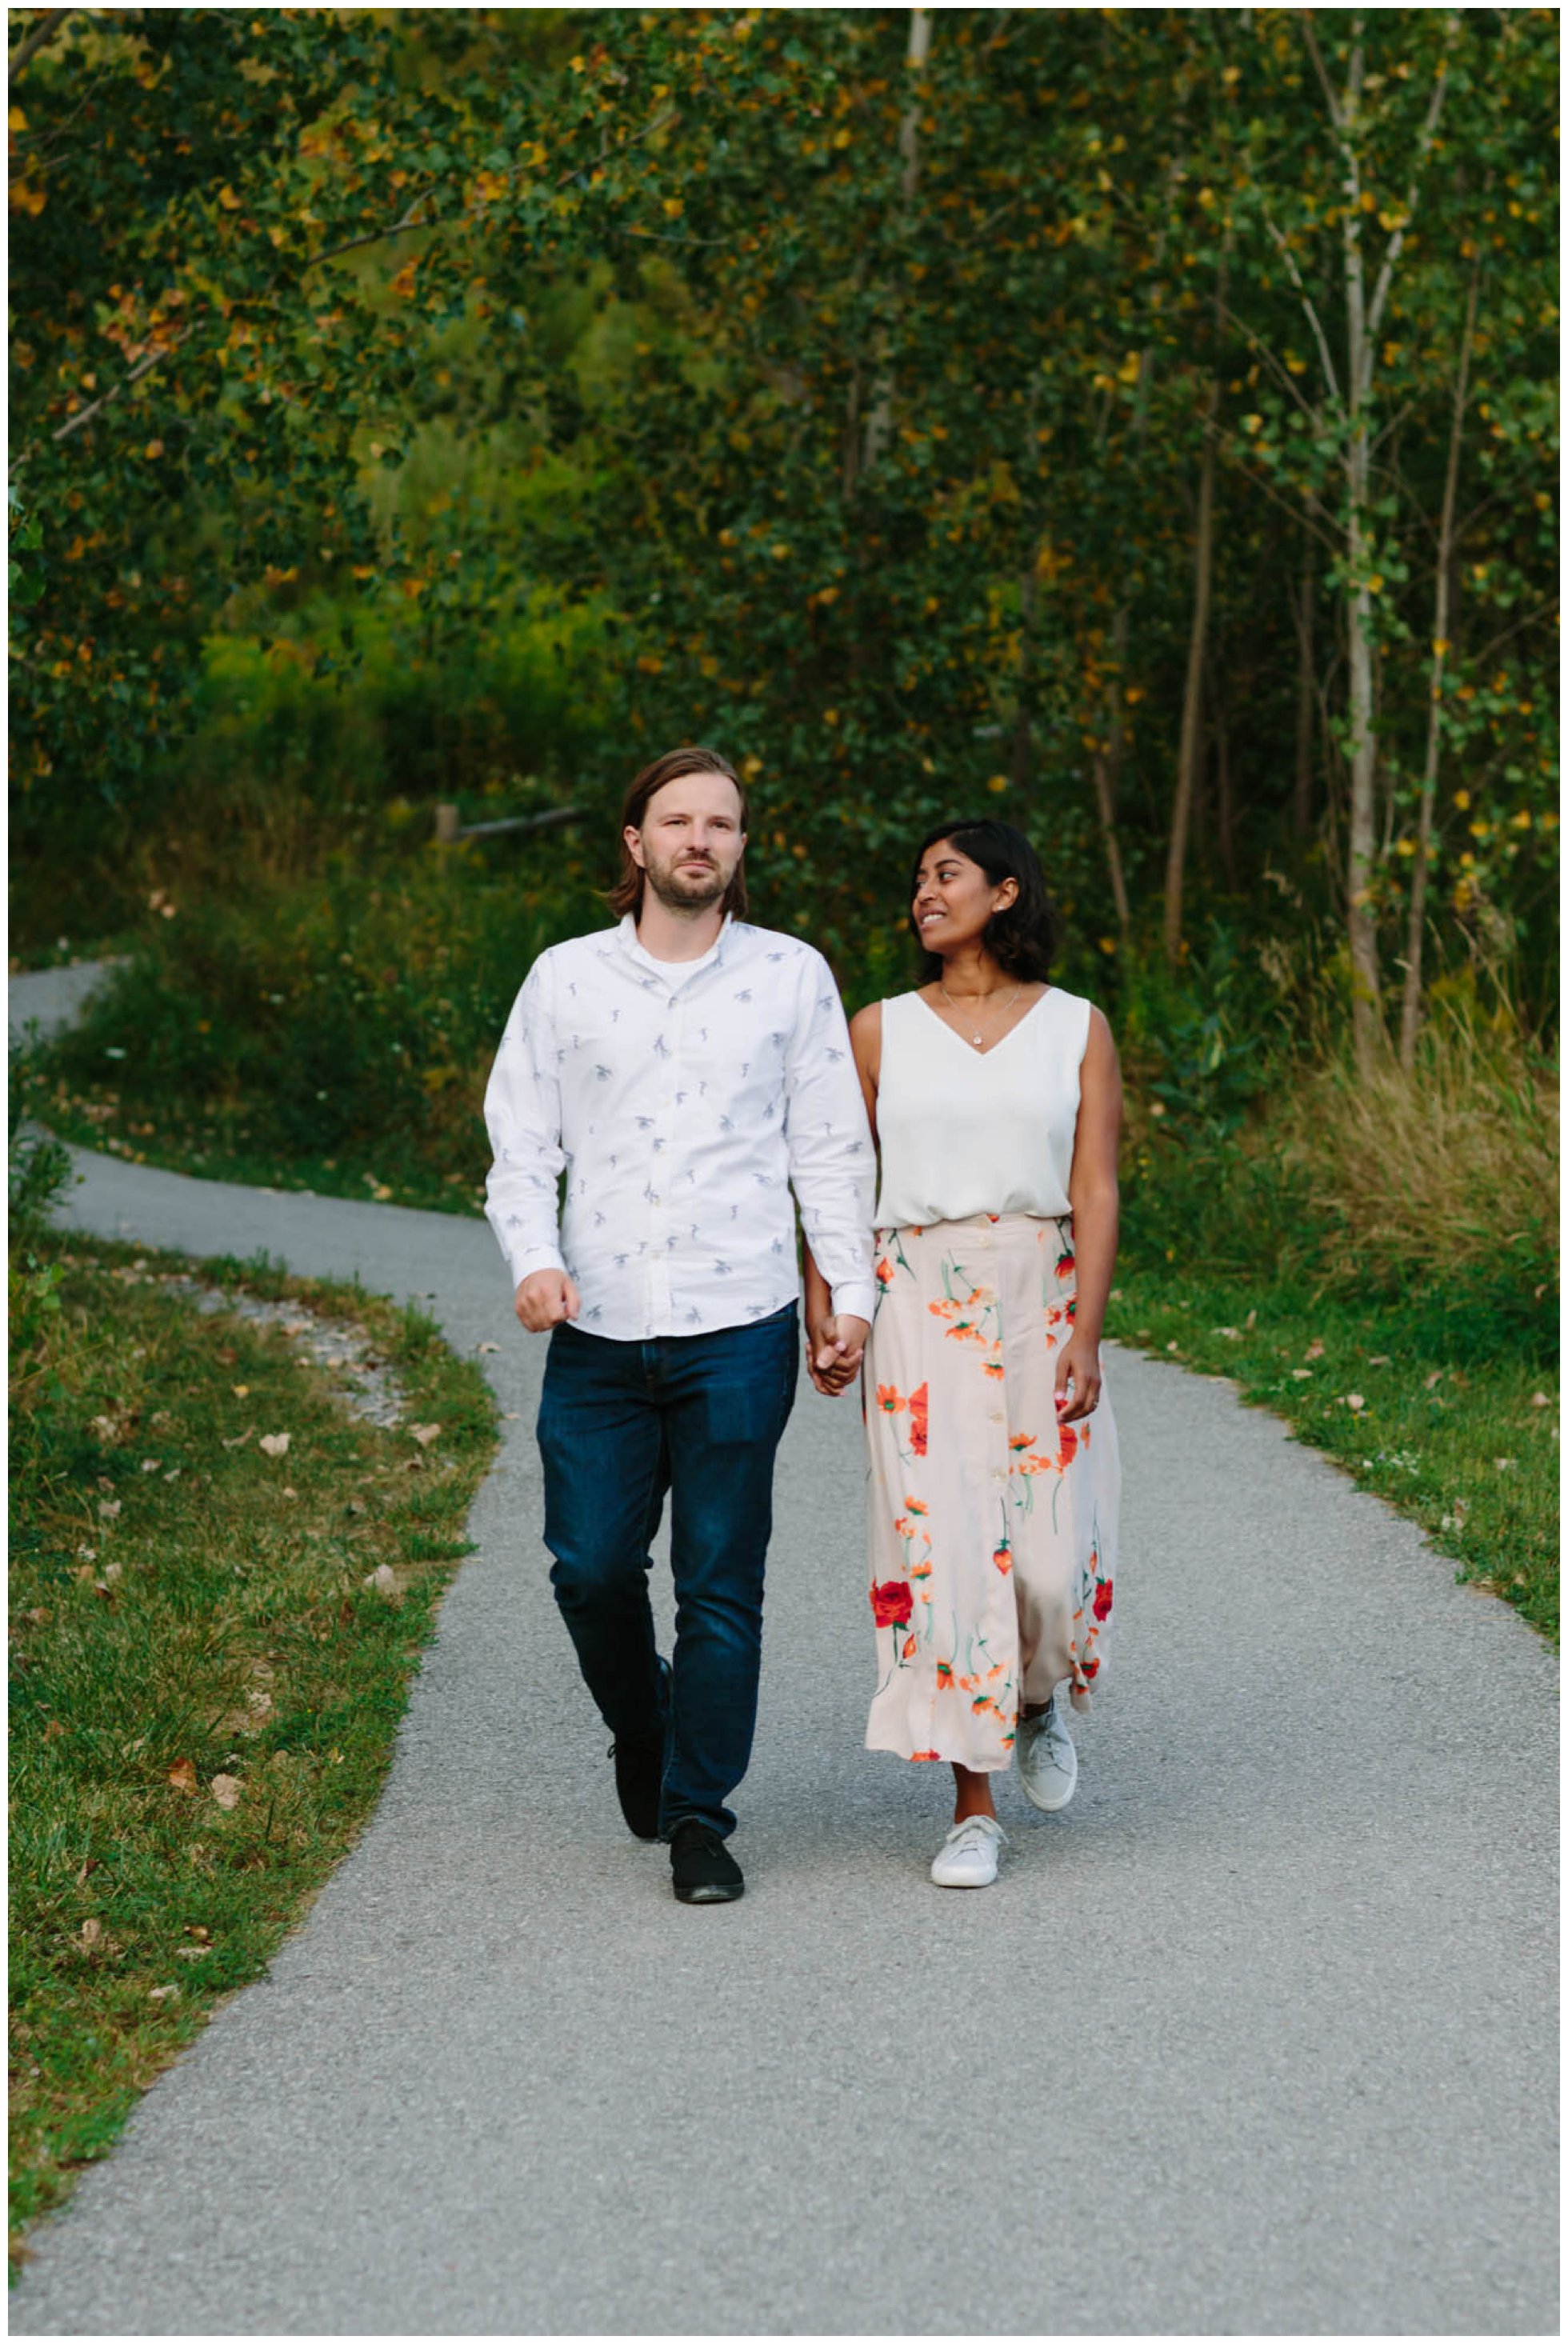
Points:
(164, 1993)
(383, 1579)
(1314, 1349)
(296, 1327)
(1353, 1401)
(226, 1790)
(240, 1439)
(1434, 1381)
(1302, 1375)
(1505, 1464)
(424, 1433)
(1233, 1332)
(1540, 1400)
(110, 1509)
(182, 1776)
(275, 1444)
(1379, 1359)
(355, 1505)
(240, 1392)
(91, 1931)
(151, 1464)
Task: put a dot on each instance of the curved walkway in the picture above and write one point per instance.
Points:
(1258, 2036)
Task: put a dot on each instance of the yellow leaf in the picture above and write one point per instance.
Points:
(153, 450)
(674, 207)
(996, 784)
(182, 1776)
(1128, 369)
(15, 119)
(228, 198)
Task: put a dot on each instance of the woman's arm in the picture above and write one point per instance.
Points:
(1093, 1194)
(821, 1327)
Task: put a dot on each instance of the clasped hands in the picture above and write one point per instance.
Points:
(834, 1346)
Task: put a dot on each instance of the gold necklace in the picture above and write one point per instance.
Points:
(977, 1039)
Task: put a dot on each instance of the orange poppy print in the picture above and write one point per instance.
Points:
(1010, 1599)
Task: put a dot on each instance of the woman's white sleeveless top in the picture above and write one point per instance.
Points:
(965, 1131)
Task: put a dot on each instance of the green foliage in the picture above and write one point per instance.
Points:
(38, 1167)
(351, 1018)
(859, 403)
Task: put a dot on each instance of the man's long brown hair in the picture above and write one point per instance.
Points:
(626, 895)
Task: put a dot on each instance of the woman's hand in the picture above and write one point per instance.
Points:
(1077, 1362)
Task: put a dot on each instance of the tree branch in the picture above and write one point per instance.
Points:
(52, 21)
(1396, 241)
(1336, 112)
(1288, 258)
(74, 423)
(400, 227)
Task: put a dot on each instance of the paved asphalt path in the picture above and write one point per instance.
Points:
(1257, 2037)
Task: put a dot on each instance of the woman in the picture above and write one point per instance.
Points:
(994, 1476)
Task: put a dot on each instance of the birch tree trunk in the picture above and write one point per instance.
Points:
(1306, 687)
(1410, 1017)
(1189, 747)
(879, 421)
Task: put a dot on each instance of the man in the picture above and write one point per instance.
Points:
(686, 1069)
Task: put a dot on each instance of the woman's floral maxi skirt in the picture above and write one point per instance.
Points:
(992, 1528)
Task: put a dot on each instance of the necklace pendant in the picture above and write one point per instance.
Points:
(977, 1039)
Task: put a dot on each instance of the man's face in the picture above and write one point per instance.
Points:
(691, 841)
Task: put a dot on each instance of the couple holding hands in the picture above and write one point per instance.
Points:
(686, 1071)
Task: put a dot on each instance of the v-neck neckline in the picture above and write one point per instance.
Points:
(1002, 1040)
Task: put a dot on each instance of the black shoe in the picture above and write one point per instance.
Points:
(702, 1870)
(640, 1767)
(639, 1779)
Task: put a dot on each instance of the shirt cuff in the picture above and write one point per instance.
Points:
(857, 1299)
(533, 1257)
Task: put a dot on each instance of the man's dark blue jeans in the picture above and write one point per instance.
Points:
(699, 1416)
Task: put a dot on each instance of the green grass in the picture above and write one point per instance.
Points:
(1456, 1440)
(205, 1689)
(218, 1139)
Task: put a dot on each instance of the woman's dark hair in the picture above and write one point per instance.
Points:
(1023, 939)
(626, 895)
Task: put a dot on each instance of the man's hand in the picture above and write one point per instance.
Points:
(545, 1298)
(835, 1348)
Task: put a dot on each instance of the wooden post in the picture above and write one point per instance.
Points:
(447, 825)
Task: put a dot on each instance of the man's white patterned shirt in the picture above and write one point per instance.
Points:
(684, 1100)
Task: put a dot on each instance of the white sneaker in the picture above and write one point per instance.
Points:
(1047, 1763)
(968, 1856)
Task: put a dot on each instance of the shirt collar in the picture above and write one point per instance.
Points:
(674, 972)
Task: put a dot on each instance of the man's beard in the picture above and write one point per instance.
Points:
(684, 887)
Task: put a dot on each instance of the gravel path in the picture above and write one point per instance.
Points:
(1257, 2037)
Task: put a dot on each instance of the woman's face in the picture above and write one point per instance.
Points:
(954, 900)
